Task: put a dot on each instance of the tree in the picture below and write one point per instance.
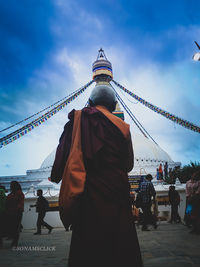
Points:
(184, 174)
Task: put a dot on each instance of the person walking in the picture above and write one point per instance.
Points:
(93, 159)
(147, 192)
(14, 212)
(41, 208)
(174, 200)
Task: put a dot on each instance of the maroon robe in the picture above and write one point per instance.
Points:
(103, 232)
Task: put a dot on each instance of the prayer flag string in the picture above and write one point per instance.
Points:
(37, 122)
(19, 122)
(160, 111)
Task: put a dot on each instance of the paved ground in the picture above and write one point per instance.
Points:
(169, 245)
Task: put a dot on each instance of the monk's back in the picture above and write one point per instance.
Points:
(104, 153)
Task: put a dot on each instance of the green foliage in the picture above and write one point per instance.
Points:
(184, 174)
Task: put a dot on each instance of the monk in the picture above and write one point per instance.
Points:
(92, 159)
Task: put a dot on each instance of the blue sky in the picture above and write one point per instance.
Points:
(47, 49)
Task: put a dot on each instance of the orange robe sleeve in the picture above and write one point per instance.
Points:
(74, 175)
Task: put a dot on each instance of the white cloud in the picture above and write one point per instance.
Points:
(84, 22)
(77, 65)
(168, 87)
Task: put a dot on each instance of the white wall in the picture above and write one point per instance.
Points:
(30, 216)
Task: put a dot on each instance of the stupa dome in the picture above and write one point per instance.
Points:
(147, 156)
(49, 160)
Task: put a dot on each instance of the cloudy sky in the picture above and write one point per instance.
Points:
(46, 52)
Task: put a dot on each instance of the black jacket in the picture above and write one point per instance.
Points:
(41, 204)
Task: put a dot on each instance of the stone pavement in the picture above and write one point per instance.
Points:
(169, 245)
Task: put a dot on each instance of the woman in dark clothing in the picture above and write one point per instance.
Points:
(2, 212)
(14, 211)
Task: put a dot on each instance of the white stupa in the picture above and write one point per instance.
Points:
(147, 154)
(147, 157)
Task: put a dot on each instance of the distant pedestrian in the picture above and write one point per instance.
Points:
(191, 187)
(174, 200)
(166, 170)
(160, 172)
(157, 174)
(41, 207)
(147, 192)
(170, 175)
(195, 202)
(14, 211)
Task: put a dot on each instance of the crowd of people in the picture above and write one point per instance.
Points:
(11, 212)
(144, 204)
(12, 207)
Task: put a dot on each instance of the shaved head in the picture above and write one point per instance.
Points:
(103, 95)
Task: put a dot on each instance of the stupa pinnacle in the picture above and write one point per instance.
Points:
(102, 68)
